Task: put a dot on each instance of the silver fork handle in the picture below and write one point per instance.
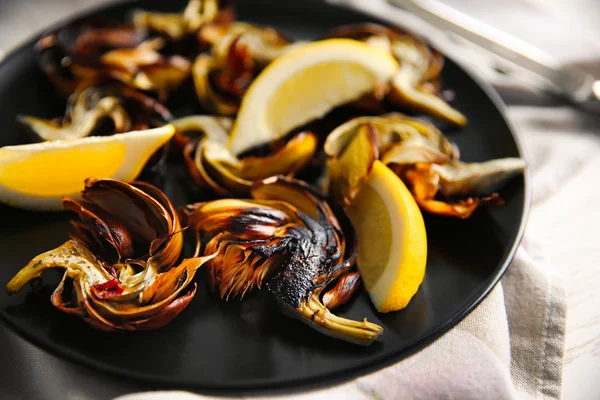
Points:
(575, 84)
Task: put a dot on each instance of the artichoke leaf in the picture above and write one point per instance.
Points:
(460, 178)
(72, 256)
(424, 183)
(343, 291)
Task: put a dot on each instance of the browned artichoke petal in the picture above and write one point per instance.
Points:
(72, 256)
(348, 170)
(208, 96)
(83, 120)
(144, 212)
(81, 43)
(459, 178)
(147, 299)
(238, 268)
(220, 169)
(165, 249)
(262, 44)
(419, 65)
(411, 153)
(315, 314)
(343, 290)
(166, 314)
(171, 24)
(144, 216)
(204, 174)
(190, 165)
(192, 156)
(392, 129)
(103, 226)
(424, 184)
(201, 12)
(224, 168)
(289, 160)
(82, 124)
(202, 126)
(94, 102)
(145, 68)
(404, 91)
(247, 219)
(165, 76)
(214, 166)
(297, 193)
(69, 306)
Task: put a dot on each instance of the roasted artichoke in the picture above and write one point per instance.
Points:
(212, 166)
(417, 84)
(121, 262)
(421, 156)
(91, 106)
(238, 52)
(288, 240)
(90, 50)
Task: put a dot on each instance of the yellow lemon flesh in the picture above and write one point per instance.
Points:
(392, 243)
(37, 176)
(305, 84)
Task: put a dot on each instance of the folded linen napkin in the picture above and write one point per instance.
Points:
(509, 347)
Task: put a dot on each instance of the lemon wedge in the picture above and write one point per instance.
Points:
(392, 243)
(37, 176)
(305, 84)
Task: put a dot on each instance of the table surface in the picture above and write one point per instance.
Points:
(571, 233)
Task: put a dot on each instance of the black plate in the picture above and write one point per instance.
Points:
(249, 345)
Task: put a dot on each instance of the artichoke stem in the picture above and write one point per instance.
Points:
(316, 314)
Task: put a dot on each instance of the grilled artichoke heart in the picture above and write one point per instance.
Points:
(120, 266)
(211, 165)
(417, 84)
(287, 239)
(90, 106)
(239, 51)
(421, 156)
(90, 50)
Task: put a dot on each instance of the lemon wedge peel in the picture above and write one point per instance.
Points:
(391, 259)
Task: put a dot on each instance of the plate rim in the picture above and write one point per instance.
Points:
(306, 383)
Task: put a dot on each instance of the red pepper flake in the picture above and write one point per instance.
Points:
(107, 289)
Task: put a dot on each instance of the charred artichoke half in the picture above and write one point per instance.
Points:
(212, 166)
(416, 85)
(105, 109)
(91, 49)
(421, 156)
(287, 240)
(121, 269)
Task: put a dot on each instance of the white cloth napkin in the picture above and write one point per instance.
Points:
(509, 347)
